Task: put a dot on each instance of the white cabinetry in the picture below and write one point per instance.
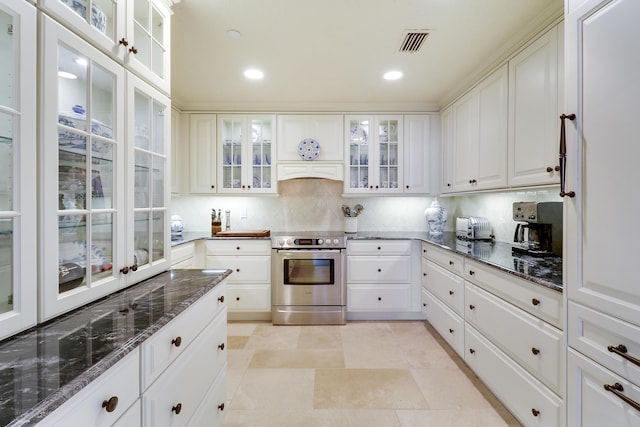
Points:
(382, 279)
(601, 284)
(421, 151)
(479, 135)
(245, 153)
(249, 292)
(183, 256)
(535, 85)
(104, 208)
(202, 149)
(446, 150)
(18, 178)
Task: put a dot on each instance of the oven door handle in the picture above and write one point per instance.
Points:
(307, 251)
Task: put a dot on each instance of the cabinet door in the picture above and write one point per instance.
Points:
(388, 154)
(148, 130)
(359, 143)
(602, 156)
(203, 153)
(446, 150)
(465, 142)
(18, 177)
(83, 201)
(418, 160)
(533, 112)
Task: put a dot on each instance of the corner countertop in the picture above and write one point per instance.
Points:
(41, 368)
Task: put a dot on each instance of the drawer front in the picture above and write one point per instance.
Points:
(592, 333)
(448, 287)
(119, 381)
(182, 252)
(175, 337)
(534, 344)
(378, 298)
(212, 410)
(524, 396)
(249, 298)
(368, 269)
(448, 324)
(186, 264)
(379, 247)
(246, 269)
(538, 300)
(596, 406)
(188, 379)
(447, 259)
(238, 247)
(131, 418)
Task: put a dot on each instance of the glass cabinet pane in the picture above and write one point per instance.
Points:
(99, 14)
(141, 238)
(149, 36)
(232, 153)
(6, 161)
(388, 149)
(8, 86)
(359, 153)
(261, 153)
(6, 265)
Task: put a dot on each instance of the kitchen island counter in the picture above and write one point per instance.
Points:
(45, 366)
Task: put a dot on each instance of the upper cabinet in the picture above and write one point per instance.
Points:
(535, 86)
(202, 150)
(446, 150)
(246, 144)
(105, 136)
(420, 153)
(134, 32)
(18, 178)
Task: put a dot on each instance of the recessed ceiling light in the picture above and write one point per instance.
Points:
(392, 75)
(234, 34)
(253, 74)
(66, 75)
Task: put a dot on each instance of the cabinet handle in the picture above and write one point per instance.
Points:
(535, 351)
(134, 267)
(243, 186)
(617, 389)
(221, 346)
(450, 262)
(621, 350)
(237, 270)
(407, 187)
(471, 272)
(213, 186)
(249, 187)
(535, 412)
(177, 409)
(221, 299)
(535, 301)
(549, 169)
(379, 248)
(111, 404)
(177, 341)
(450, 330)
(379, 298)
(124, 270)
(451, 292)
(221, 406)
(448, 185)
(379, 270)
(371, 187)
(424, 274)
(123, 42)
(377, 186)
(472, 351)
(472, 307)
(424, 304)
(133, 50)
(424, 251)
(556, 168)
(563, 155)
(237, 248)
(237, 298)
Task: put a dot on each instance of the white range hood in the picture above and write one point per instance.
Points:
(327, 170)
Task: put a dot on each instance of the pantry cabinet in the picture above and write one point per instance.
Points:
(104, 200)
(535, 88)
(601, 285)
(246, 144)
(18, 178)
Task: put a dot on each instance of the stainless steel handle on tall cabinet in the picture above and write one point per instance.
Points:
(563, 155)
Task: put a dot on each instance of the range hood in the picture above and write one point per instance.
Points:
(315, 169)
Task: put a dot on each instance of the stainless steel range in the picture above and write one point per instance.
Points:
(308, 285)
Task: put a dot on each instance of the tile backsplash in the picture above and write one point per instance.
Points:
(315, 205)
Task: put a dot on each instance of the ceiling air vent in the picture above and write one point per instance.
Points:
(413, 40)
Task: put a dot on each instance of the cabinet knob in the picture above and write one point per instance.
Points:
(237, 270)
(535, 351)
(221, 346)
(450, 330)
(471, 272)
(557, 168)
(535, 301)
(424, 304)
(377, 186)
(450, 262)
(177, 341)
(249, 187)
(379, 248)
(124, 270)
(535, 412)
(371, 187)
(243, 186)
(451, 292)
(379, 298)
(472, 307)
(221, 298)
(237, 248)
(379, 270)
(472, 351)
(237, 298)
(448, 185)
(424, 251)
(134, 267)
(549, 169)
(221, 406)
(133, 50)
(111, 404)
(407, 187)
(424, 274)
(177, 409)
(123, 42)
(213, 186)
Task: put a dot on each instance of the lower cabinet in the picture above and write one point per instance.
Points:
(183, 256)
(449, 325)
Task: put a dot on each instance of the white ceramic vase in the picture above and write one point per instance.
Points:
(436, 216)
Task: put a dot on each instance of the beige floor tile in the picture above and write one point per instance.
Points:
(290, 389)
(449, 389)
(237, 343)
(372, 346)
(243, 328)
(320, 337)
(452, 418)
(237, 364)
(313, 418)
(268, 336)
(297, 359)
(366, 388)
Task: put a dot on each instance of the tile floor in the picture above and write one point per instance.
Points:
(369, 374)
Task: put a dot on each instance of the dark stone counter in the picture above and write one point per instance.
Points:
(45, 366)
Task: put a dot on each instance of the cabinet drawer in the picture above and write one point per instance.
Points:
(523, 395)
(238, 247)
(188, 379)
(246, 269)
(368, 269)
(186, 264)
(447, 259)
(120, 381)
(378, 298)
(448, 324)
(594, 405)
(592, 333)
(175, 337)
(211, 412)
(132, 417)
(536, 345)
(182, 252)
(379, 247)
(249, 298)
(538, 300)
(448, 287)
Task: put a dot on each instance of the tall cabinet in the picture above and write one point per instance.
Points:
(104, 144)
(601, 281)
(18, 177)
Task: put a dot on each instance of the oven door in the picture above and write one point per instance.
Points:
(308, 277)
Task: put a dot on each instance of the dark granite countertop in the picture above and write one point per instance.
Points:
(193, 236)
(43, 367)
(545, 271)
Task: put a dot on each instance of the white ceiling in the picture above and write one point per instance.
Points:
(329, 55)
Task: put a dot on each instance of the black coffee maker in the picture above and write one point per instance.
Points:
(539, 228)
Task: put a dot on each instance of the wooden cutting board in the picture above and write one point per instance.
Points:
(244, 233)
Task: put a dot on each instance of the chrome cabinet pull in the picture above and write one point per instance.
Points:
(617, 389)
(563, 155)
(621, 350)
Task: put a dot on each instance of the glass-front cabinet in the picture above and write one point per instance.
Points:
(103, 170)
(17, 162)
(246, 145)
(373, 154)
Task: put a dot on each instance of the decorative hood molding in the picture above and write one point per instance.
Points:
(314, 169)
